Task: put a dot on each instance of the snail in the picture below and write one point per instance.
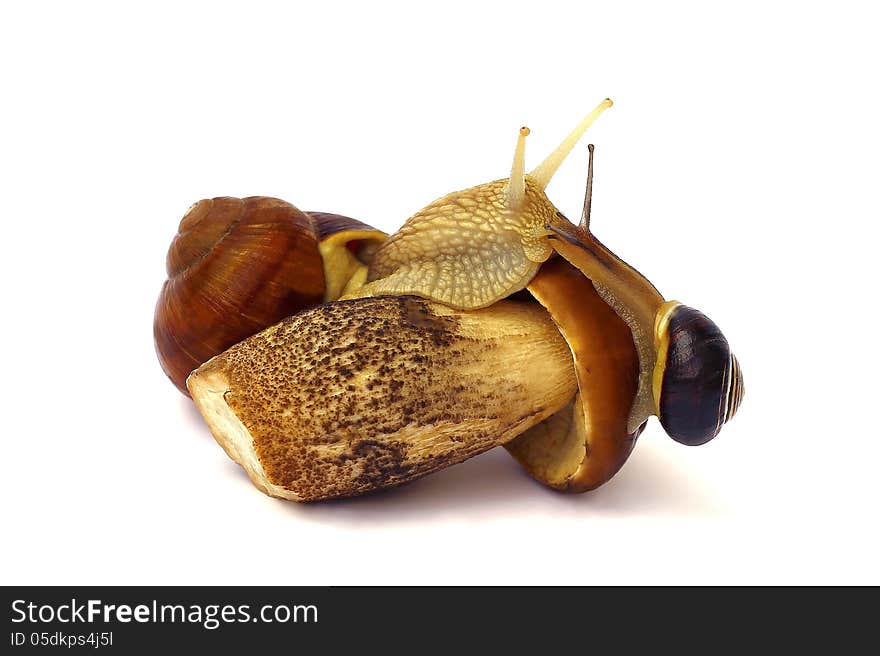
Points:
(237, 266)
(688, 375)
(471, 248)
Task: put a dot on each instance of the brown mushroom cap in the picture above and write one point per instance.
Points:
(585, 444)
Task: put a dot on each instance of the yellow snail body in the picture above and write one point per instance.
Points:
(477, 246)
(239, 265)
(474, 247)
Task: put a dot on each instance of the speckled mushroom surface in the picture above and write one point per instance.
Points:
(369, 393)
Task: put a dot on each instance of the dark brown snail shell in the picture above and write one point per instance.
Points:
(239, 265)
(327, 225)
(702, 384)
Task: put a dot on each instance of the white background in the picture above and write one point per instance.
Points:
(738, 170)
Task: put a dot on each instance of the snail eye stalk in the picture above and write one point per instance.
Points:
(588, 195)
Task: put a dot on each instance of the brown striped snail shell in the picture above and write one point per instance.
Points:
(239, 265)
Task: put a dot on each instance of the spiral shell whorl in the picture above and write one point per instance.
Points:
(735, 389)
(202, 227)
(235, 267)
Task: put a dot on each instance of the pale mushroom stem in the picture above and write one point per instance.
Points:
(542, 174)
(516, 186)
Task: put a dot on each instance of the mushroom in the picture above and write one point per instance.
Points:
(355, 396)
